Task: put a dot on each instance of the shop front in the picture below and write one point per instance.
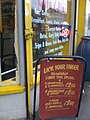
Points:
(29, 30)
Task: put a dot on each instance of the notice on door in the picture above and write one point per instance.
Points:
(60, 88)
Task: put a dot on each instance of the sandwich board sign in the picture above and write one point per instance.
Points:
(61, 82)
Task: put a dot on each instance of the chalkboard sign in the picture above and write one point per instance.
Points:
(60, 87)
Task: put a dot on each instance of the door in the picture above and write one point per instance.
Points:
(49, 30)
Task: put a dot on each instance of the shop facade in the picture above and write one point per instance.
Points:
(30, 30)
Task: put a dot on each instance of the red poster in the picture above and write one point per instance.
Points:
(60, 88)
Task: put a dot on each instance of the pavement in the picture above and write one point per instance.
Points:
(84, 112)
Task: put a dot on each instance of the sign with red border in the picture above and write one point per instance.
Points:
(60, 88)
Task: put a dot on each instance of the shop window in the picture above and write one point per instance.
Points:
(87, 18)
(8, 32)
(51, 27)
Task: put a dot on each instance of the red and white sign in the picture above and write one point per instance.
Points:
(65, 32)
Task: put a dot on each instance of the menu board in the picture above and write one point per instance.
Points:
(52, 32)
(60, 88)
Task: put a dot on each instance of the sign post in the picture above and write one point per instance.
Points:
(61, 82)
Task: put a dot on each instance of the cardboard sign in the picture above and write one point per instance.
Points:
(60, 88)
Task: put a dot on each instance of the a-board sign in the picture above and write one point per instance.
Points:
(60, 88)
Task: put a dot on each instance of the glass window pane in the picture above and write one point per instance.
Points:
(51, 24)
(8, 56)
(87, 19)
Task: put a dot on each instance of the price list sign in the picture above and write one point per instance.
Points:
(60, 88)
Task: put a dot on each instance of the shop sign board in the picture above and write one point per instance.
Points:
(60, 88)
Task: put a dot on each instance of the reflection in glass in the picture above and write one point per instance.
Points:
(8, 56)
(51, 34)
(87, 18)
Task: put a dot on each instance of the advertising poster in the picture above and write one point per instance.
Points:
(60, 88)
